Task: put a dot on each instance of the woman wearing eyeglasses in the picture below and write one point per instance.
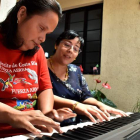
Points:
(69, 85)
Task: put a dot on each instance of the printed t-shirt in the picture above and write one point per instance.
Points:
(22, 78)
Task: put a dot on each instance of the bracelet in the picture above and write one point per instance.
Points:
(74, 105)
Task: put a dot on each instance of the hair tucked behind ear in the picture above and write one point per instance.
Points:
(8, 28)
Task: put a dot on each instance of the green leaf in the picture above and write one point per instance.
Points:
(136, 108)
(109, 103)
(97, 65)
(100, 94)
(34, 103)
(93, 93)
(102, 98)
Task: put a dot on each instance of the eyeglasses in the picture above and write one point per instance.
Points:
(75, 49)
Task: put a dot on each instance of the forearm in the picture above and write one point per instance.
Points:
(60, 102)
(46, 101)
(93, 101)
(6, 111)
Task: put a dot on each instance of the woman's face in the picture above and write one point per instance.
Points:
(33, 31)
(68, 50)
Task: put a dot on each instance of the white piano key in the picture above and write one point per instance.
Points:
(19, 137)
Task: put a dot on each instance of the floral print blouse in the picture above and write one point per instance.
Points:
(74, 88)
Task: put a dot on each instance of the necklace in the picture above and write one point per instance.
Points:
(51, 64)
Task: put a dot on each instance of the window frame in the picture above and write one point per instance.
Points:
(85, 30)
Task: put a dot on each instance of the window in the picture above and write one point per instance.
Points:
(87, 21)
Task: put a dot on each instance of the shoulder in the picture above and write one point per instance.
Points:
(73, 68)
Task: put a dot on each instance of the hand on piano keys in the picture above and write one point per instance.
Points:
(85, 130)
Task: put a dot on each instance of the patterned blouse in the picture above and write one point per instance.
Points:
(74, 88)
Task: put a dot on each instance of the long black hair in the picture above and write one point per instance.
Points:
(8, 28)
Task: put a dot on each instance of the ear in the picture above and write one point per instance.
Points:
(55, 47)
(21, 15)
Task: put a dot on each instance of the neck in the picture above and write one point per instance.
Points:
(61, 71)
(57, 64)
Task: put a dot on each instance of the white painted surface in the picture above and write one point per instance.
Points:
(5, 6)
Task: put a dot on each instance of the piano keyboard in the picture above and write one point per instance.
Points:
(118, 128)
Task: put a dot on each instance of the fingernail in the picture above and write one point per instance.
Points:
(61, 131)
(57, 123)
(56, 115)
(38, 131)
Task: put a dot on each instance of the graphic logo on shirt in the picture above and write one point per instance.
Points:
(33, 75)
(10, 77)
(12, 80)
(6, 84)
(21, 80)
(24, 104)
(34, 96)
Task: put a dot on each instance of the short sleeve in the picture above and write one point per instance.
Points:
(44, 77)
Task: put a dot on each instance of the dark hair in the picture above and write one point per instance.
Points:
(69, 34)
(8, 27)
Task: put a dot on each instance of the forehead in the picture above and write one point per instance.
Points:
(48, 19)
(75, 40)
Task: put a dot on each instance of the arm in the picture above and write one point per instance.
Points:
(106, 109)
(92, 101)
(5, 111)
(80, 108)
(46, 101)
(45, 104)
(60, 102)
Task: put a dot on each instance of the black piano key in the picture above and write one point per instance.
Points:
(95, 132)
(76, 135)
(104, 126)
(82, 134)
(38, 138)
(84, 130)
(62, 137)
(45, 137)
(86, 133)
(93, 128)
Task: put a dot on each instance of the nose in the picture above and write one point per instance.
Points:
(71, 48)
(42, 38)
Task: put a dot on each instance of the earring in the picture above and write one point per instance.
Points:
(75, 59)
(55, 47)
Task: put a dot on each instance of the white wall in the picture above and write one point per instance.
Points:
(5, 6)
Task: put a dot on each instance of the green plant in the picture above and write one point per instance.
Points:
(102, 98)
(136, 107)
(98, 94)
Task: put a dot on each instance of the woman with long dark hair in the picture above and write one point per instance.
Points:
(24, 76)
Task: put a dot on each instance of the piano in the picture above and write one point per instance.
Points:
(118, 128)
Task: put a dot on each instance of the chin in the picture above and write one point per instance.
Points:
(22, 49)
(66, 62)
